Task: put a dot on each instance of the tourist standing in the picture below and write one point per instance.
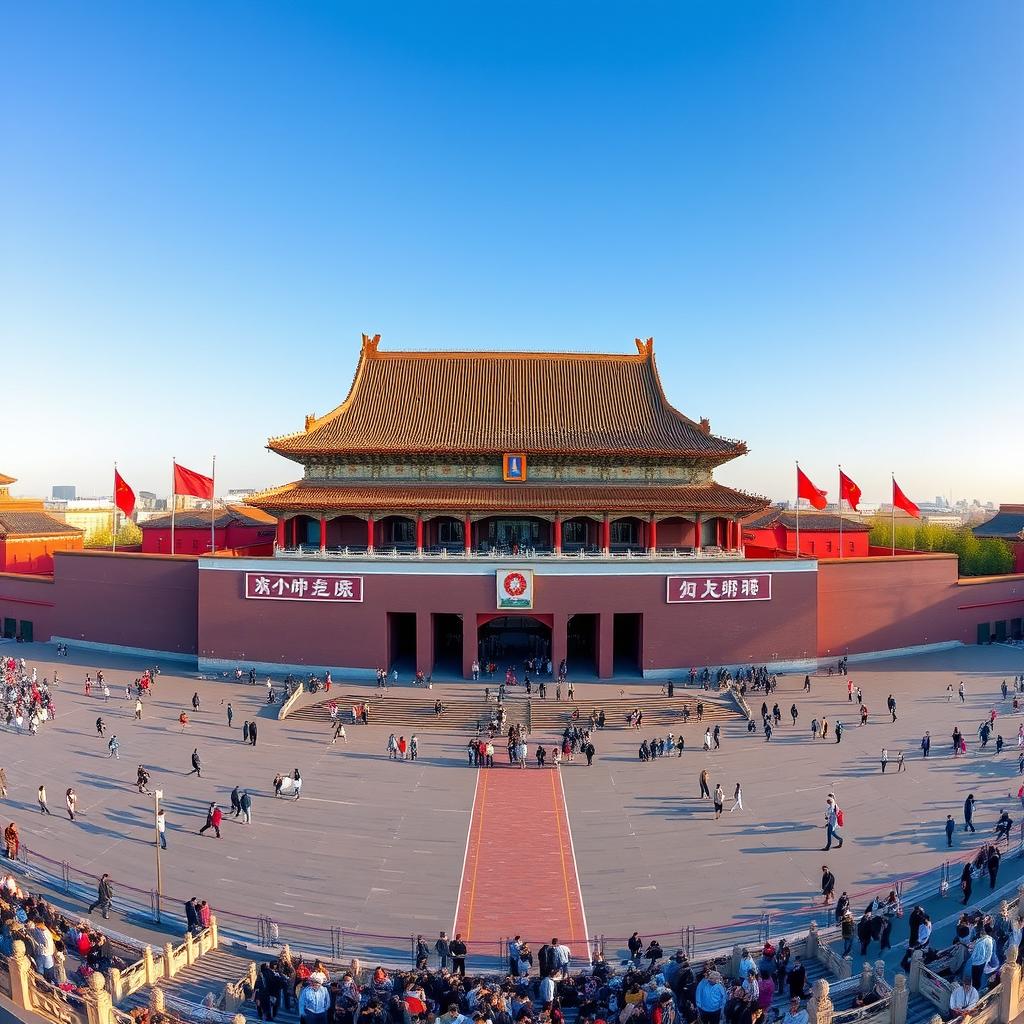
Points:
(41, 797)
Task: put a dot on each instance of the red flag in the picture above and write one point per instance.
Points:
(124, 496)
(805, 489)
(900, 500)
(848, 491)
(188, 481)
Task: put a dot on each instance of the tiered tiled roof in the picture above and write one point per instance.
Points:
(518, 498)
(5, 480)
(436, 403)
(1007, 523)
(810, 522)
(34, 524)
(200, 518)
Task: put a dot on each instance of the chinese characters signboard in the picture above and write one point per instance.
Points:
(290, 586)
(515, 588)
(719, 589)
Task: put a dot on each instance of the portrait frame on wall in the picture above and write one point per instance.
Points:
(513, 467)
(514, 589)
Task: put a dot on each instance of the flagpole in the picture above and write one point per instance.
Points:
(173, 503)
(840, 510)
(798, 510)
(893, 496)
(113, 515)
(213, 502)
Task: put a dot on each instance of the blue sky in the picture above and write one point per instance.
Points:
(815, 209)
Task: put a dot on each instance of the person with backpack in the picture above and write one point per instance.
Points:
(833, 822)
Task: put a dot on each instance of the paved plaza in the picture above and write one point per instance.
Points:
(380, 846)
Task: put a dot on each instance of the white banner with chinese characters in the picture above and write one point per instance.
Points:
(719, 589)
(515, 588)
(293, 586)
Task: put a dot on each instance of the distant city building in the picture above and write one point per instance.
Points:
(63, 492)
(29, 535)
(93, 516)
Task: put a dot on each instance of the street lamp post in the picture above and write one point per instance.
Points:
(158, 795)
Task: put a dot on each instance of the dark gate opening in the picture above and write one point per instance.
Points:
(447, 646)
(25, 631)
(511, 640)
(581, 645)
(402, 642)
(626, 646)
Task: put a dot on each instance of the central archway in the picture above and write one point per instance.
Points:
(513, 639)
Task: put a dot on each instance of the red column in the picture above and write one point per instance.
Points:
(280, 533)
(696, 533)
(558, 538)
(467, 534)
(652, 536)
(419, 535)
(323, 534)
(606, 534)
(369, 533)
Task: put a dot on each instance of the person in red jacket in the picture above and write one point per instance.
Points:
(213, 819)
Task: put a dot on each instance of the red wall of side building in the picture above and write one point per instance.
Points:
(877, 604)
(814, 543)
(29, 598)
(34, 555)
(194, 541)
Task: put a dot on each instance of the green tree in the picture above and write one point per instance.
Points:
(988, 557)
(129, 535)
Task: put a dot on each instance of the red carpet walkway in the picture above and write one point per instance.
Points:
(520, 872)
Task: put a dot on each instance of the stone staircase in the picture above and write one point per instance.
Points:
(401, 711)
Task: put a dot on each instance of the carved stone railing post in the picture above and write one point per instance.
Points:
(149, 965)
(156, 1000)
(916, 963)
(1009, 994)
(169, 969)
(20, 967)
(98, 1004)
(879, 972)
(819, 1006)
(190, 949)
(900, 999)
(214, 932)
(116, 985)
(812, 942)
(734, 966)
(867, 978)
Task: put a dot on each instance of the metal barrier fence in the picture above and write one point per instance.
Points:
(339, 943)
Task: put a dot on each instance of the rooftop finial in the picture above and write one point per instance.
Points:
(645, 348)
(370, 344)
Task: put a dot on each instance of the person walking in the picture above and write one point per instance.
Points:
(950, 829)
(138, 709)
(864, 931)
(114, 747)
(962, 691)
(719, 800)
(245, 802)
(71, 801)
(3, 783)
(195, 702)
(236, 803)
(161, 828)
(443, 952)
(891, 704)
(245, 731)
(142, 779)
(339, 732)
(705, 792)
(197, 764)
(737, 799)
(901, 765)
(926, 744)
(230, 713)
(885, 759)
(41, 797)
(966, 882)
(252, 734)
(828, 885)
(104, 896)
(832, 824)
(794, 713)
(969, 814)
(213, 819)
